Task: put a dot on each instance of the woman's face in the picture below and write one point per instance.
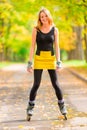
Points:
(43, 18)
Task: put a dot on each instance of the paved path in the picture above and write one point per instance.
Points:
(15, 84)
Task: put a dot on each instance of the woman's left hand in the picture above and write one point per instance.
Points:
(58, 65)
(58, 69)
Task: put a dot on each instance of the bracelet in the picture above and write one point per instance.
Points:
(29, 64)
(59, 63)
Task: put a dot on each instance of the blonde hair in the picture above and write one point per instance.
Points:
(47, 12)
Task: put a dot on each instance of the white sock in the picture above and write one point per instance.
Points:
(61, 101)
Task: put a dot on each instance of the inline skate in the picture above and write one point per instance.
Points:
(30, 111)
(63, 110)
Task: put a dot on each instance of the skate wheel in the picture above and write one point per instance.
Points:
(65, 116)
(28, 118)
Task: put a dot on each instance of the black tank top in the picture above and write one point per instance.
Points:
(45, 41)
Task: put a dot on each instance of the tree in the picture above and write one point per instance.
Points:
(20, 17)
(85, 27)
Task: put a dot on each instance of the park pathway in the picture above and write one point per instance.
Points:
(15, 85)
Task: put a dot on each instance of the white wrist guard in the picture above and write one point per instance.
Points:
(59, 63)
(29, 64)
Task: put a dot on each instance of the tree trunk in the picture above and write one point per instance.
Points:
(1, 36)
(78, 52)
(85, 37)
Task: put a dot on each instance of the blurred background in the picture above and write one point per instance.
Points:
(17, 18)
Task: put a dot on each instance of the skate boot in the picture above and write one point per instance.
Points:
(63, 110)
(30, 111)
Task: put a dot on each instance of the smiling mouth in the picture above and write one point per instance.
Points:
(44, 20)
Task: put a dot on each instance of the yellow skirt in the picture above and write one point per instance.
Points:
(45, 60)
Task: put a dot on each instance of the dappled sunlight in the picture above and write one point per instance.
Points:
(14, 89)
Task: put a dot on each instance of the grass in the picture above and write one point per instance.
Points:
(79, 66)
(70, 63)
(6, 63)
(75, 63)
(2, 64)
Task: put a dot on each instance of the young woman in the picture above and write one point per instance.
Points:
(45, 41)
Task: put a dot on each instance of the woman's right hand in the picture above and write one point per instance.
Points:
(29, 67)
(30, 70)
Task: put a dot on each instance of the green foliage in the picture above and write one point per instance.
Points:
(17, 19)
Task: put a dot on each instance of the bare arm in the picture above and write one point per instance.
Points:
(57, 49)
(33, 44)
(29, 67)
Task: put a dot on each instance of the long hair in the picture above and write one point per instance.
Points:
(47, 12)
